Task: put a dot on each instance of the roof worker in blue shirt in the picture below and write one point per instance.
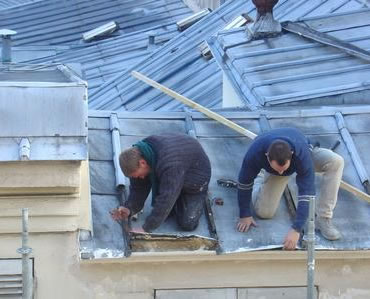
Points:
(279, 153)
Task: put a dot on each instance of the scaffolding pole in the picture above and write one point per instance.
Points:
(310, 239)
(27, 287)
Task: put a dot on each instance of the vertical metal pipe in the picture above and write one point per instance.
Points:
(26, 262)
(6, 53)
(311, 250)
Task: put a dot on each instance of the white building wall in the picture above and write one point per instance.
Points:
(229, 96)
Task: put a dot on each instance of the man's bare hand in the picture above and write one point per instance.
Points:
(245, 223)
(291, 240)
(121, 213)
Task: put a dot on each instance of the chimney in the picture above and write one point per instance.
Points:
(6, 41)
(265, 25)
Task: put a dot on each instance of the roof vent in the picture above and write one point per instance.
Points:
(187, 22)
(205, 50)
(100, 31)
(151, 39)
(6, 51)
(239, 21)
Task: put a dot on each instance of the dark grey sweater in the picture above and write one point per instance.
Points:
(181, 164)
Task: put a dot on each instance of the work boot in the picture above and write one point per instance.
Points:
(327, 228)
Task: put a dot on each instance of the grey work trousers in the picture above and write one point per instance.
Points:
(269, 188)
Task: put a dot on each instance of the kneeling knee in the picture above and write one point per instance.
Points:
(188, 225)
(265, 214)
(337, 163)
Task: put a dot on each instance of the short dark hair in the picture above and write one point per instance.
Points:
(129, 160)
(279, 151)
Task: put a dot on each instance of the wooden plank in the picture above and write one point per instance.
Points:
(196, 106)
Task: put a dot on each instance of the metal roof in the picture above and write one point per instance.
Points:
(180, 66)
(293, 70)
(226, 150)
(12, 3)
(57, 22)
(102, 60)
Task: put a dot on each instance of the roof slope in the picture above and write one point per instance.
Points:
(291, 69)
(100, 61)
(4, 4)
(57, 22)
(180, 66)
(226, 149)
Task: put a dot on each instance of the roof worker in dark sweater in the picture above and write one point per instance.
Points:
(280, 153)
(176, 169)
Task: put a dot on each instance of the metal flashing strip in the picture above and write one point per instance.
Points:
(294, 48)
(325, 39)
(316, 93)
(71, 75)
(359, 166)
(311, 75)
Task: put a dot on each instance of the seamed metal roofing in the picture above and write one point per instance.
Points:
(180, 66)
(57, 22)
(226, 149)
(294, 70)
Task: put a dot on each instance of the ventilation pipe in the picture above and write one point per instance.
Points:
(6, 41)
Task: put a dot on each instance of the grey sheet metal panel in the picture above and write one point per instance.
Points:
(40, 101)
(64, 22)
(102, 179)
(180, 66)
(292, 70)
(107, 232)
(99, 141)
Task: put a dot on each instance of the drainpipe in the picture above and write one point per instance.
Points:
(26, 262)
(6, 53)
